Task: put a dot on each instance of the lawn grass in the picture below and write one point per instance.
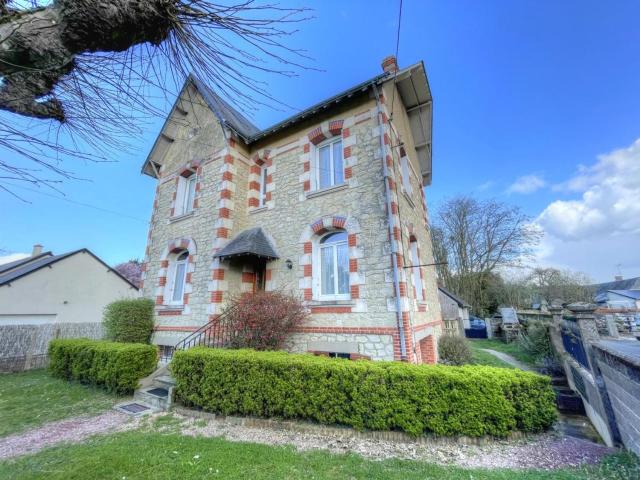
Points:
(481, 357)
(148, 454)
(29, 399)
(514, 349)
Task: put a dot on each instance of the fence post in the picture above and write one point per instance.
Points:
(584, 314)
(555, 329)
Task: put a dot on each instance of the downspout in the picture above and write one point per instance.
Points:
(394, 245)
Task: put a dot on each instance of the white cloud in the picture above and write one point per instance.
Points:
(485, 186)
(12, 257)
(610, 201)
(527, 184)
(601, 228)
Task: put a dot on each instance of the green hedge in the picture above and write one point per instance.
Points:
(115, 366)
(129, 320)
(436, 399)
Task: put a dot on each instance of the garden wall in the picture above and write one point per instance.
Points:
(24, 347)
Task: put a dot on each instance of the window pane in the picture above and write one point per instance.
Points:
(326, 269)
(263, 185)
(406, 177)
(189, 194)
(324, 167)
(338, 169)
(334, 238)
(417, 281)
(178, 283)
(343, 268)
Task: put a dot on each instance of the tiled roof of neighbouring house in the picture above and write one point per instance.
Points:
(249, 242)
(461, 303)
(33, 264)
(5, 267)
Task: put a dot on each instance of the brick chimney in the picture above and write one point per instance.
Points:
(37, 250)
(390, 64)
(619, 278)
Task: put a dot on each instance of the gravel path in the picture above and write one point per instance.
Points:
(72, 430)
(505, 357)
(547, 451)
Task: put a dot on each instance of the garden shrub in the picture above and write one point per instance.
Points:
(118, 367)
(417, 399)
(263, 320)
(129, 320)
(454, 350)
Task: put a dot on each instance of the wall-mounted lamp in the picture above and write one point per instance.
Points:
(289, 264)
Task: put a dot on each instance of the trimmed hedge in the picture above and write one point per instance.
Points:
(436, 399)
(129, 320)
(118, 367)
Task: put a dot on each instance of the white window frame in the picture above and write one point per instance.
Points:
(417, 279)
(329, 142)
(406, 174)
(186, 194)
(172, 276)
(317, 269)
(262, 196)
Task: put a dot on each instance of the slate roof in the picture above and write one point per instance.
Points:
(225, 112)
(626, 284)
(44, 260)
(16, 263)
(635, 294)
(461, 303)
(249, 242)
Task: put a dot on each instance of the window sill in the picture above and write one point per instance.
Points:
(258, 210)
(331, 303)
(177, 218)
(407, 196)
(169, 309)
(324, 191)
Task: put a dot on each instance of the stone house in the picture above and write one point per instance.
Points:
(328, 204)
(48, 296)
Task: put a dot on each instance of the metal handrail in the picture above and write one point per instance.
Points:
(212, 334)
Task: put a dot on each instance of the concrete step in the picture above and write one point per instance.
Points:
(135, 408)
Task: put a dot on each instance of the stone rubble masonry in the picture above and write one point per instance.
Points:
(294, 216)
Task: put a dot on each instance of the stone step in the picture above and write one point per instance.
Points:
(164, 381)
(151, 396)
(135, 408)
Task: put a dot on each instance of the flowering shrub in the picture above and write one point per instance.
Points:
(263, 320)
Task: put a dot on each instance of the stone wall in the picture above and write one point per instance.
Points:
(23, 347)
(619, 365)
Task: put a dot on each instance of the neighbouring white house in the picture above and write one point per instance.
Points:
(48, 296)
(629, 299)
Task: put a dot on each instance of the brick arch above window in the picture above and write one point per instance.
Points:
(325, 130)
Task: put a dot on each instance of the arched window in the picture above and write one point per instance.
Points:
(332, 261)
(178, 275)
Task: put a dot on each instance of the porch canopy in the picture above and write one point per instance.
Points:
(249, 243)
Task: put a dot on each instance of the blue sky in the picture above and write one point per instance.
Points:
(535, 103)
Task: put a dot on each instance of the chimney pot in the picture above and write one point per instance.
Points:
(37, 250)
(390, 64)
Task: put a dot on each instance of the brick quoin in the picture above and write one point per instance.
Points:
(216, 297)
(346, 132)
(218, 274)
(255, 169)
(253, 185)
(228, 159)
(308, 247)
(306, 166)
(306, 148)
(307, 270)
(267, 197)
(223, 232)
(185, 298)
(355, 291)
(164, 263)
(307, 185)
(427, 349)
(254, 202)
(248, 277)
(224, 212)
(352, 240)
(308, 294)
(162, 281)
(159, 300)
(348, 173)
(347, 152)
(227, 176)
(353, 264)
(225, 194)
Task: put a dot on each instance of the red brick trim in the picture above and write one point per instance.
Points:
(170, 328)
(332, 309)
(349, 330)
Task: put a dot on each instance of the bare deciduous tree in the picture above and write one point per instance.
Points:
(86, 66)
(478, 238)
